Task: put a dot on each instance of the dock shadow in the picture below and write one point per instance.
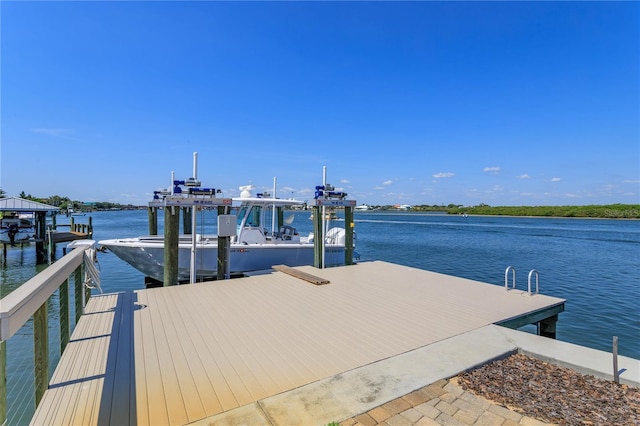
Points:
(118, 402)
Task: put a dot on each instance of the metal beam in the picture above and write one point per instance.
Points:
(532, 317)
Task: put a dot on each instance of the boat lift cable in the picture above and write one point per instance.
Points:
(92, 275)
(194, 213)
(202, 238)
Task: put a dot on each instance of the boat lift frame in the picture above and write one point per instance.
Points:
(194, 198)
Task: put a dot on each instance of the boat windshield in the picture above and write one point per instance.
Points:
(250, 215)
(259, 216)
(240, 215)
(253, 218)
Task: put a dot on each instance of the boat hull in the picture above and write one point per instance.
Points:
(148, 257)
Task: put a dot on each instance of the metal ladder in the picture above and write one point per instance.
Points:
(532, 273)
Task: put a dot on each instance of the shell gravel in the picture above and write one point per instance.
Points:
(554, 394)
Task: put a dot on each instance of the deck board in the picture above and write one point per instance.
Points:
(175, 355)
(175, 331)
(211, 363)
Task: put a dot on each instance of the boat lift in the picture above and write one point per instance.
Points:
(194, 197)
(327, 196)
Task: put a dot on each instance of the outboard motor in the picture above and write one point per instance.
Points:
(336, 236)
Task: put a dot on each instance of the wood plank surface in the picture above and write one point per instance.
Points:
(313, 279)
(174, 355)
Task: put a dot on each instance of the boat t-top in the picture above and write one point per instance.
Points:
(264, 238)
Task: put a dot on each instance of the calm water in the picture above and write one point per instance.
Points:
(593, 264)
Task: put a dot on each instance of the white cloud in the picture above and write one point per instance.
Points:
(631, 181)
(379, 188)
(493, 170)
(344, 181)
(555, 179)
(443, 175)
(387, 182)
(524, 176)
(52, 132)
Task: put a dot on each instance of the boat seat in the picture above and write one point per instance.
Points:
(286, 232)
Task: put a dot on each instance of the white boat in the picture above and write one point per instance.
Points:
(15, 229)
(258, 245)
(72, 212)
(362, 208)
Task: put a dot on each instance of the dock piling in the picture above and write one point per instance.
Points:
(186, 220)
(226, 229)
(348, 240)
(41, 233)
(171, 238)
(317, 237)
(153, 220)
(547, 327)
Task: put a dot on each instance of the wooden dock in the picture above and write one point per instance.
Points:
(65, 237)
(175, 355)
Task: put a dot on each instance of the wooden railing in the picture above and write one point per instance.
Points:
(31, 299)
(84, 228)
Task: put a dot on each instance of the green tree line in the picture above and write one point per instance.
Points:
(65, 203)
(610, 211)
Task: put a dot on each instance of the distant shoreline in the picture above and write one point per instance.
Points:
(418, 212)
(607, 211)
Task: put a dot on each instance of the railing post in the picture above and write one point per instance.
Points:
(64, 315)
(3, 382)
(77, 281)
(616, 372)
(41, 351)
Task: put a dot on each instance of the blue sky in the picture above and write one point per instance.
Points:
(503, 103)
